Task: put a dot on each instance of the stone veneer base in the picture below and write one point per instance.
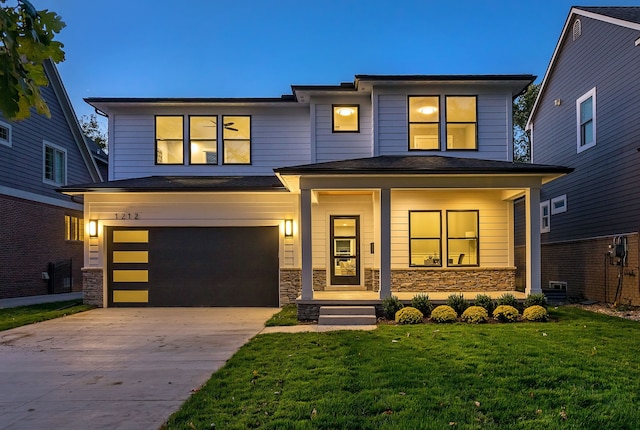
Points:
(92, 285)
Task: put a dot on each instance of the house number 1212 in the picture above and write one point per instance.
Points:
(128, 215)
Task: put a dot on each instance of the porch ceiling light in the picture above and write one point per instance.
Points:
(345, 111)
(288, 227)
(427, 110)
(93, 228)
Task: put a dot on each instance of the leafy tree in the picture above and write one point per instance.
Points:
(92, 129)
(522, 106)
(26, 41)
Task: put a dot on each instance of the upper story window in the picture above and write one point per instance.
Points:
(462, 130)
(203, 139)
(586, 120)
(5, 134)
(346, 118)
(463, 238)
(169, 140)
(236, 139)
(424, 123)
(425, 238)
(545, 217)
(54, 164)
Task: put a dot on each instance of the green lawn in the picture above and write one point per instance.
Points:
(288, 315)
(579, 371)
(16, 317)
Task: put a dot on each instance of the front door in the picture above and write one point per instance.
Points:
(345, 250)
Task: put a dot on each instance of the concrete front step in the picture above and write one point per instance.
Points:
(347, 315)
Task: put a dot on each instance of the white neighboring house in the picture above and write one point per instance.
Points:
(387, 185)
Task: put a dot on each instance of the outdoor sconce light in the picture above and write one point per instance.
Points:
(93, 228)
(288, 227)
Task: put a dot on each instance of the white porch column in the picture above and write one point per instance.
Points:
(305, 242)
(385, 243)
(534, 279)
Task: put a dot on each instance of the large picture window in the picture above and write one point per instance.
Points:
(55, 164)
(424, 123)
(236, 139)
(203, 140)
(463, 238)
(425, 237)
(462, 121)
(586, 120)
(169, 140)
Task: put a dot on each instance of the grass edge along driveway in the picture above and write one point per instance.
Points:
(23, 315)
(579, 371)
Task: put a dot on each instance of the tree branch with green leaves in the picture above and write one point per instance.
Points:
(26, 42)
(522, 107)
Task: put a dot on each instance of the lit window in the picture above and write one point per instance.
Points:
(462, 122)
(73, 228)
(55, 164)
(462, 238)
(346, 118)
(559, 204)
(203, 139)
(586, 120)
(169, 140)
(545, 217)
(5, 134)
(424, 123)
(425, 232)
(236, 139)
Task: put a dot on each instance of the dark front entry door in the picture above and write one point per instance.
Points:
(345, 250)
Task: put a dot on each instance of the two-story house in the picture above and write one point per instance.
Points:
(41, 230)
(386, 185)
(587, 116)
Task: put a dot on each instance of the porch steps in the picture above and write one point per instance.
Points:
(347, 315)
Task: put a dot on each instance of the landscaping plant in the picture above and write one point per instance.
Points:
(409, 315)
(458, 303)
(506, 313)
(421, 302)
(391, 305)
(475, 315)
(444, 314)
(486, 302)
(507, 299)
(535, 313)
(537, 299)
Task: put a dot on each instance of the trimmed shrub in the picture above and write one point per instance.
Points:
(535, 300)
(485, 302)
(507, 299)
(475, 315)
(422, 303)
(444, 314)
(391, 305)
(506, 313)
(409, 315)
(535, 313)
(458, 303)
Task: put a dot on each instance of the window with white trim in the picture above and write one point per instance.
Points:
(559, 204)
(54, 164)
(586, 120)
(5, 134)
(545, 217)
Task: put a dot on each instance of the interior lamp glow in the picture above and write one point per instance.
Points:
(427, 110)
(345, 111)
(93, 228)
(288, 227)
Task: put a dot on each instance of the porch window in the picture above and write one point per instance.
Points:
(424, 123)
(462, 130)
(346, 118)
(236, 139)
(425, 238)
(462, 238)
(169, 140)
(203, 139)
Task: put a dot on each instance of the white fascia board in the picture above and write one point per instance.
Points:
(25, 195)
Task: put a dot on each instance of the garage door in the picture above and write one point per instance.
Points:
(193, 266)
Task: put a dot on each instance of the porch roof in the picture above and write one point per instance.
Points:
(181, 184)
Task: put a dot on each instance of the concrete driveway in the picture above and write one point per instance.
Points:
(115, 368)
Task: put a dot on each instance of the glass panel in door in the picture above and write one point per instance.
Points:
(345, 250)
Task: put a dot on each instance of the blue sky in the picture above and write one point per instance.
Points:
(258, 48)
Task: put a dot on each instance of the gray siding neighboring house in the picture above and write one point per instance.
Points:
(597, 60)
(38, 225)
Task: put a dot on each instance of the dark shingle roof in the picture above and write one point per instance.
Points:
(421, 164)
(181, 184)
(625, 13)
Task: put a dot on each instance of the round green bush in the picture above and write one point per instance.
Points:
(507, 299)
(458, 303)
(475, 315)
(422, 303)
(506, 313)
(535, 313)
(486, 302)
(538, 299)
(391, 305)
(409, 315)
(444, 314)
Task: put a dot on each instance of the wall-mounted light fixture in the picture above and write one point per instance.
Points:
(93, 228)
(557, 102)
(288, 227)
